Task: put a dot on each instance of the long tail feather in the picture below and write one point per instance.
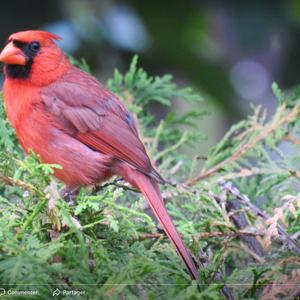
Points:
(150, 190)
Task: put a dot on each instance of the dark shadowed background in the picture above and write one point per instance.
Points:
(231, 51)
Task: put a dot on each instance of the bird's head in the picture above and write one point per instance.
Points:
(31, 54)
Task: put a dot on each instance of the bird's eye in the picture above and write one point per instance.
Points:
(35, 46)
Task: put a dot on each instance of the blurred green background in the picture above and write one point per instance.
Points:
(230, 51)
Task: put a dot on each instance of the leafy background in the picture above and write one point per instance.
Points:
(238, 211)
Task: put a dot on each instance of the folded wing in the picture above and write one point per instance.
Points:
(97, 118)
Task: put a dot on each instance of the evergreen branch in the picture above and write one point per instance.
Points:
(252, 143)
(13, 182)
(244, 199)
(28, 187)
(204, 235)
(37, 210)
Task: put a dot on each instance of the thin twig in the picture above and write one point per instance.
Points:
(13, 182)
(245, 148)
(202, 235)
(255, 171)
(146, 236)
(116, 183)
(245, 173)
(227, 234)
(24, 185)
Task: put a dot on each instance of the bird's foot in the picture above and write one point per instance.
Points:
(69, 194)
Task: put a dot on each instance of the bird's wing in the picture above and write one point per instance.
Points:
(85, 109)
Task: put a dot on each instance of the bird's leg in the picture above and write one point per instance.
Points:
(69, 194)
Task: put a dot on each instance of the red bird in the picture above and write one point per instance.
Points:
(67, 117)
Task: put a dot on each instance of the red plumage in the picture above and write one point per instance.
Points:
(68, 118)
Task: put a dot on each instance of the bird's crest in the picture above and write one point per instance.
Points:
(34, 35)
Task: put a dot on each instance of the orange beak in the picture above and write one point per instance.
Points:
(12, 55)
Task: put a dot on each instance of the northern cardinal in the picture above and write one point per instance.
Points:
(68, 118)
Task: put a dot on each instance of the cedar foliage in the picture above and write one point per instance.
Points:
(238, 213)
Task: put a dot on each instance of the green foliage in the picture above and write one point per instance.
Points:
(108, 246)
(143, 88)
